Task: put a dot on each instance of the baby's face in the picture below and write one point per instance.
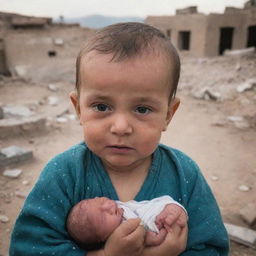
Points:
(104, 215)
(124, 107)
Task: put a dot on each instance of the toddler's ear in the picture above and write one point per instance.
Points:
(173, 106)
(74, 99)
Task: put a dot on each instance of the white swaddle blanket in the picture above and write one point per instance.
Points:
(146, 210)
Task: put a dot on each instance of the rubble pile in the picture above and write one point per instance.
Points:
(227, 80)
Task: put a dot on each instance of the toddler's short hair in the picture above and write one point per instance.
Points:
(126, 40)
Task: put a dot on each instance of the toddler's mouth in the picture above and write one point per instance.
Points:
(120, 148)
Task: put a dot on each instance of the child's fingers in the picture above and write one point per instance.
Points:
(183, 237)
(171, 218)
(130, 226)
(182, 220)
(126, 240)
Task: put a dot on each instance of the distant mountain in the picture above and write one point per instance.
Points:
(99, 21)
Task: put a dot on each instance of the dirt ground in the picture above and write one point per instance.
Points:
(224, 150)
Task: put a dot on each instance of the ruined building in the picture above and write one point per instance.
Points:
(210, 35)
(12, 21)
(31, 46)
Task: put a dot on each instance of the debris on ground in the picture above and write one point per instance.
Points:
(14, 155)
(241, 235)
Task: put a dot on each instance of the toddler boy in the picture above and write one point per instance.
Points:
(126, 80)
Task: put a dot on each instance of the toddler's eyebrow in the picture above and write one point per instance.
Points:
(140, 100)
(99, 97)
(148, 100)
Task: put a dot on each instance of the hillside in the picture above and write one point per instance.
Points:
(98, 21)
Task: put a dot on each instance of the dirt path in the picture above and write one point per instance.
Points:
(225, 152)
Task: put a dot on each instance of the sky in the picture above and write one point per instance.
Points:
(140, 8)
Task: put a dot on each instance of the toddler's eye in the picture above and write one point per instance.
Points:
(101, 107)
(143, 110)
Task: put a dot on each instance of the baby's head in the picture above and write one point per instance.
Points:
(124, 41)
(91, 221)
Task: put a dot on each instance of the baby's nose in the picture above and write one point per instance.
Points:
(110, 206)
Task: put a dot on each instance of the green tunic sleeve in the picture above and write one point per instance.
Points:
(40, 227)
(207, 235)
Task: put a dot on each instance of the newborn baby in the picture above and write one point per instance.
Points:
(91, 221)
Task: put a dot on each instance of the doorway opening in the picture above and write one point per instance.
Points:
(226, 38)
(184, 40)
(251, 39)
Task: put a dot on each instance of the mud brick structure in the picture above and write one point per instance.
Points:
(13, 21)
(27, 43)
(209, 35)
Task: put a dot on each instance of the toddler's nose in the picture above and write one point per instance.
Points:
(121, 125)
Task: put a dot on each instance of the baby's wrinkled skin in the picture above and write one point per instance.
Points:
(100, 216)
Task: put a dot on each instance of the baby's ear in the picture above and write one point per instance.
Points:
(173, 106)
(75, 101)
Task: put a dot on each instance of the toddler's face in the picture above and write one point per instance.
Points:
(123, 107)
(104, 215)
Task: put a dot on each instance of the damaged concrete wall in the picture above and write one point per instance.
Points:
(195, 24)
(219, 22)
(30, 53)
(209, 35)
(238, 21)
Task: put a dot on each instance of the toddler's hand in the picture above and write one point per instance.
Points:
(154, 239)
(173, 245)
(126, 240)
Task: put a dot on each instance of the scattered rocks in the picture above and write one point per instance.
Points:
(241, 235)
(53, 87)
(14, 155)
(25, 182)
(14, 173)
(71, 117)
(239, 122)
(248, 85)
(207, 94)
(64, 118)
(21, 194)
(4, 219)
(17, 111)
(244, 188)
(11, 127)
(53, 101)
(214, 178)
(248, 214)
(61, 119)
(235, 118)
(240, 52)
